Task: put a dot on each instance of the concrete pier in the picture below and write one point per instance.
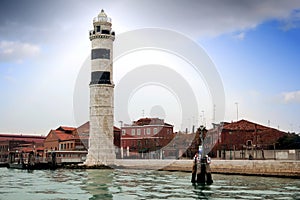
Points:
(241, 167)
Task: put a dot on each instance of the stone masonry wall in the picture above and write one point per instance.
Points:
(243, 167)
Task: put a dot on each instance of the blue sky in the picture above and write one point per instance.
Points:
(254, 45)
(260, 69)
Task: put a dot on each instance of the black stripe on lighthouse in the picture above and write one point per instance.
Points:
(100, 53)
(100, 77)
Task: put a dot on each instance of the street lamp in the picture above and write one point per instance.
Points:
(201, 150)
(230, 146)
(237, 111)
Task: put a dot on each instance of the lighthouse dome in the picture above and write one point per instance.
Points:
(102, 17)
(102, 14)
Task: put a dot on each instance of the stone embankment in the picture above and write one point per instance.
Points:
(243, 167)
(258, 167)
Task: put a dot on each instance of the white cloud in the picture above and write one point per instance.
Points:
(239, 36)
(204, 18)
(17, 51)
(292, 21)
(291, 97)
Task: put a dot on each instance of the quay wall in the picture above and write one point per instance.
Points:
(278, 168)
(258, 167)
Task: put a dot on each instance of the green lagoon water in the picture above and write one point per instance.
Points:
(138, 184)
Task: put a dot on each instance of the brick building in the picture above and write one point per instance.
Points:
(83, 133)
(63, 139)
(20, 142)
(245, 136)
(145, 138)
(183, 145)
(237, 139)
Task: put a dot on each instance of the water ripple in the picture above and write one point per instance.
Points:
(138, 184)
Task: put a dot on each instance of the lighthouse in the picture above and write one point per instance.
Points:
(101, 148)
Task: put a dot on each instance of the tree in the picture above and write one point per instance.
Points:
(289, 141)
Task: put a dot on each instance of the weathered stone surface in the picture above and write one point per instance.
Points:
(257, 167)
(101, 148)
(243, 167)
(101, 65)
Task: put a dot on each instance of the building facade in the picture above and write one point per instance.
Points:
(245, 138)
(14, 142)
(83, 133)
(145, 138)
(63, 139)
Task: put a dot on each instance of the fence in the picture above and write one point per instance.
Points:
(292, 154)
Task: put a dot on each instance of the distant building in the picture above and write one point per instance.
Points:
(183, 145)
(145, 138)
(236, 140)
(83, 133)
(20, 142)
(244, 136)
(63, 139)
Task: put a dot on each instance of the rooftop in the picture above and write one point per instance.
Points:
(245, 126)
(36, 138)
(149, 121)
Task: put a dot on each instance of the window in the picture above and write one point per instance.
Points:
(249, 142)
(132, 131)
(138, 132)
(105, 32)
(98, 28)
(148, 131)
(123, 132)
(154, 130)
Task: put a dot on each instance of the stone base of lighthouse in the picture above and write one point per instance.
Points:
(101, 147)
(101, 152)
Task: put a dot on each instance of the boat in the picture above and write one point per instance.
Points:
(52, 160)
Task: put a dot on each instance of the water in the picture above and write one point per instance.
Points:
(138, 184)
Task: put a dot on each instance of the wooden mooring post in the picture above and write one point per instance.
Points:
(201, 172)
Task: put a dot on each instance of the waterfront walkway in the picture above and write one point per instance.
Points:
(280, 168)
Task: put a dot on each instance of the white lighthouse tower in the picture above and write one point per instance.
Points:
(101, 148)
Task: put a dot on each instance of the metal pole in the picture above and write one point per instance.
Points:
(237, 111)
(230, 146)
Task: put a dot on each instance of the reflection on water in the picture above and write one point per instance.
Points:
(99, 183)
(138, 184)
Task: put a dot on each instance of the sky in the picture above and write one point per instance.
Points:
(254, 45)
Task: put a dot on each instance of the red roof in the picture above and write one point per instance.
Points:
(150, 121)
(116, 129)
(27, 138)
(66, 128)
(64, 136)
(244, 125)
(29, 149)
(85, 128)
